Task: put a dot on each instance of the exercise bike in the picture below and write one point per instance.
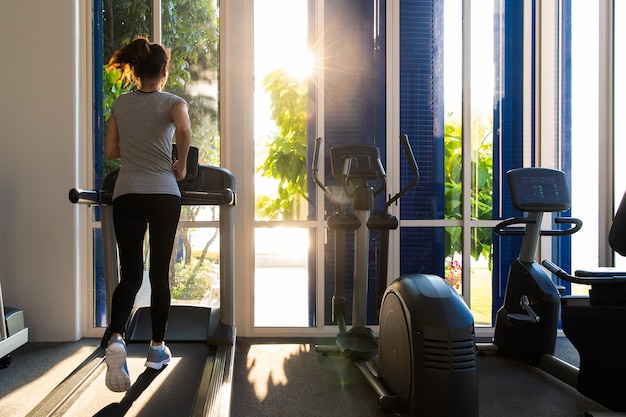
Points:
(527, 323)
(424, 360)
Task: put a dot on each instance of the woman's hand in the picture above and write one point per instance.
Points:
(180, 169)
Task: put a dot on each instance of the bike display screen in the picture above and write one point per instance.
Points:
(539, 189)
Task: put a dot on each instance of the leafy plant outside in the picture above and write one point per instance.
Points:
(286, 160)
(481, 201)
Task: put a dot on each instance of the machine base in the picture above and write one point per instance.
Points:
(426, 348)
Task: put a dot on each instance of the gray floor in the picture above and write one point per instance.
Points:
(288, 378)
(280, 377)
(38, 368)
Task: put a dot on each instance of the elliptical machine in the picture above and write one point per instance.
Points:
(426, 360)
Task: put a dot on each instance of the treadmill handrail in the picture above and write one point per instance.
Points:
(82, 196)
(217, 177)
(189, 198)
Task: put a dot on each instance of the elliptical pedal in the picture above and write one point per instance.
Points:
(521, 319)
(358, 343)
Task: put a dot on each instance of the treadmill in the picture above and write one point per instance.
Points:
(202, 338)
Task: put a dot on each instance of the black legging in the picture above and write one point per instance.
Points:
(131, 215)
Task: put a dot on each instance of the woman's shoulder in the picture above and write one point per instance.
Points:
(161, 99)
(172, 97)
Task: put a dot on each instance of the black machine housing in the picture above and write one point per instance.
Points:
(526, 324)
(424, 322)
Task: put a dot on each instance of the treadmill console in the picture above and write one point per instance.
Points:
(539, 189)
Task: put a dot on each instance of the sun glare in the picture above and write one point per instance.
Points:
(266, 366)
(281, 37)
(300, 66)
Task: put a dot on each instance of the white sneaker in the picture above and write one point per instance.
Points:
(117, 378)
(158, 357)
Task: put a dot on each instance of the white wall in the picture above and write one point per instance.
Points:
(39, 127)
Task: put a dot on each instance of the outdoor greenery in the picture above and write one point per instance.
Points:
(192, 278)
(287, 151)
(481, 185)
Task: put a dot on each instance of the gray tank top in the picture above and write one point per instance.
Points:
(146, 129)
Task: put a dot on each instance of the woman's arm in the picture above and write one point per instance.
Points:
(182, 136)
(112, 141)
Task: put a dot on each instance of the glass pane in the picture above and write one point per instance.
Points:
(281, 277)
(124, 20)
(481, 276)
(199, 213)
(453, 262)
(191, 31)
(453, 76)
(482, 90)
(619, 85)
(584, 134)
(194, 268)
(280, 107)
(426, 249)
(99, 285)
(283, 296)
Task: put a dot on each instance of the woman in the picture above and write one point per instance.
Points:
(146, 194)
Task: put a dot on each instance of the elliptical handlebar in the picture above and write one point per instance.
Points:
(315, 171)
(414, 169)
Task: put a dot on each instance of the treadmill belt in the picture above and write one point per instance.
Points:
(168, 392)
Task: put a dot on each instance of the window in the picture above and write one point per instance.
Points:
(479, 87)
(284, 273)
(585, 134)
(190, 29)
(619, 83)
(448, 219)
